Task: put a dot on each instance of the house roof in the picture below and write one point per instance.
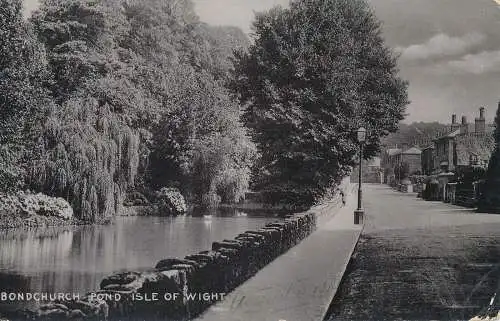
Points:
(479, 144)
(471, 128)
(428, 147)
(413, 151)
(451, 134)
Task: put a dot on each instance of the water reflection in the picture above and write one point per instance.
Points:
(75, 259)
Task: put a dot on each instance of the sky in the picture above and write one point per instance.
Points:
(449, 49)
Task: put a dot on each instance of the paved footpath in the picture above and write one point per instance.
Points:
(300, 284)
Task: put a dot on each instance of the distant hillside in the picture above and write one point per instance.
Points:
(414, 133)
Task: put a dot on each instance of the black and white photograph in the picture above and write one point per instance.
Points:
(249, 160)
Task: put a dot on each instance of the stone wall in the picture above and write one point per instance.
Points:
(229, 263)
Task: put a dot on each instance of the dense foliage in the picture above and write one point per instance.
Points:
(100, 99)
(23, 100)
(465, 177)
(489, 200)
(106, 98)
(316, 73)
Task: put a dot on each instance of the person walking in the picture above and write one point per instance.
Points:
(342, 194)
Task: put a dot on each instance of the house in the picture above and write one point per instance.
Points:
(394, 157)
(413, 158)
(389, 157)
(463, 146)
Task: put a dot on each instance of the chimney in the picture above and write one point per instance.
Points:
(464, 128)
(454, 125)
(480, 124)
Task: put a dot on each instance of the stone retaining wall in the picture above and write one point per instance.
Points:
(217, 271)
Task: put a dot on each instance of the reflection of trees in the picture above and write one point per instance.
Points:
(76, 259)
(35, 249)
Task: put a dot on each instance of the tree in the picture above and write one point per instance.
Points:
(23, 98)
(489, 200)
(136, 94)
(90, 141)
(201, 144)
(316, 73)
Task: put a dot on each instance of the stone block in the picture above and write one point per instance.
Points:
(166, 264)
(119, 278)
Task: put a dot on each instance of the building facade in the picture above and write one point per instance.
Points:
(465, 145)
(372, 172)
(413, 157)
(395, 157)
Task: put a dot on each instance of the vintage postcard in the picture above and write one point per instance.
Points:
(237, 160)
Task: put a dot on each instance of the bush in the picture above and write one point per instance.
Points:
(25, 204)
(418, 179)
(171, 202)
(468, 176)
(136, 199)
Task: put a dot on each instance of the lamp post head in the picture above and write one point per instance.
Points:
(361, 135)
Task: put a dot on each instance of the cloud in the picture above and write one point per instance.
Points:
(238, 13)
(441, 45)
(480, 63)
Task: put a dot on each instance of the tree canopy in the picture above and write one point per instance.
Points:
(104, 98)
(489, 200)
(23, 96)
(127, 89)
(316, 73)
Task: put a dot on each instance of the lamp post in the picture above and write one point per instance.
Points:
(359, 212)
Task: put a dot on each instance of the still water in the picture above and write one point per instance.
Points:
(75, 259)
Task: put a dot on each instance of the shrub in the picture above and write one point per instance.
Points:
(418, 179)
(135, 199)
(25, 204)
(171, 202)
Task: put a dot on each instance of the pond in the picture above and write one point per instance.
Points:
(74, 259)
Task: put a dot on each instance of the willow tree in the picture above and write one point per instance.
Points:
(315, 73)
(201, 144)
(198, 142)
(122, 70)
(90, 142)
